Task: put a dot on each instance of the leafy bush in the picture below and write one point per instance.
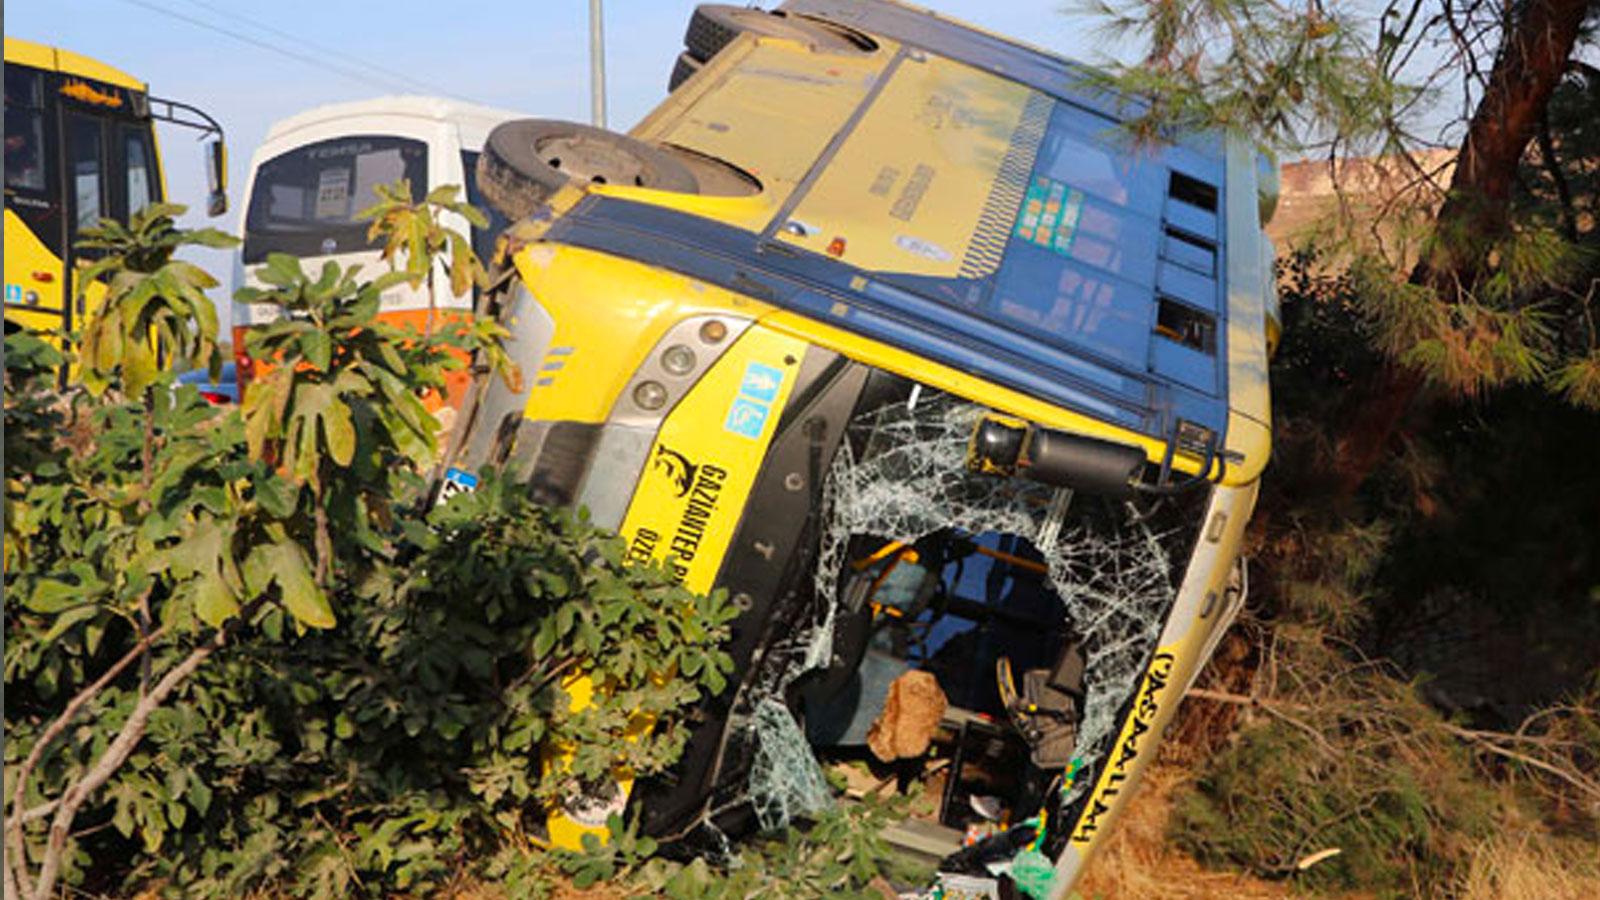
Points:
(1340, 753)
(404, 746)
(242, 653)
(843, 854)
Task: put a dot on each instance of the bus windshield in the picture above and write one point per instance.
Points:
(305, 202)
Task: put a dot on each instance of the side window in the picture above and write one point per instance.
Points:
(25, 148)
(86, 170)
(140, 173)
(482, 238)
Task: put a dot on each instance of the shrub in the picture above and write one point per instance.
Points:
(241, 650)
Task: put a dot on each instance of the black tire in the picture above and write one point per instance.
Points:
(525, 161)
(715, 25)
(681, 70)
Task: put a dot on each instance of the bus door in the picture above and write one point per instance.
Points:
(111, 174)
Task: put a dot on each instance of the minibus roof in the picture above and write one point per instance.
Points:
(435, 109)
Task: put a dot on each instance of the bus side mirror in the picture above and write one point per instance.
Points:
(217, 178)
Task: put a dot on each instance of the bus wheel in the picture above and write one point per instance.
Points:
(525, 161)
(686, 66)
(715, 25)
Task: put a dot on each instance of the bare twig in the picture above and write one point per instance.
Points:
(121, 748)
(14, 839)
(1271, 708)
(38, 812)
(1491, 741)
(1495, 742)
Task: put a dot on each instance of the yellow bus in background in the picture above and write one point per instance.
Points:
(80, 147)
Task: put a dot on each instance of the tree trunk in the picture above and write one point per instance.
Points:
(1532, 60)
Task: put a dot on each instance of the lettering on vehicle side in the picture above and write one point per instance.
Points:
(884, 182)
(911, 195)
(919, 247)
(940, 110)
(347, 148)
(1145, 708)
(703, 492)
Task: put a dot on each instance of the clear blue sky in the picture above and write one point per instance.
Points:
(530, 56)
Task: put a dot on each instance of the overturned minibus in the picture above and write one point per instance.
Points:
(882, 324)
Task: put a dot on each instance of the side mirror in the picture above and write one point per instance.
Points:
(217, 177)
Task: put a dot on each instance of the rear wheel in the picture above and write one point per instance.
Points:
(525, 161)
(714, 26)
(681, 70)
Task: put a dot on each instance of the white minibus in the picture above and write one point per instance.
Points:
(316, 171)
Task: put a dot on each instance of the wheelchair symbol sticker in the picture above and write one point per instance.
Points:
(757, 392)
(746, 418)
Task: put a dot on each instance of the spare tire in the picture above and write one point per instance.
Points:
(525, 161)
(685, 66)
(715, 25)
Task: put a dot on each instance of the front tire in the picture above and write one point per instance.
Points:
(525, 161)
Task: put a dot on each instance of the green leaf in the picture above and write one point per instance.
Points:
(301, 595)
(66, 620)
(544, 639)
(281, 270)
(214, 603)
(276, 496)
(317, 347)
(122, 819)
(199, 795)
(340, 432)
(50, 595)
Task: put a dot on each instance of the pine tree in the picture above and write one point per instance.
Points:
(1483, 280)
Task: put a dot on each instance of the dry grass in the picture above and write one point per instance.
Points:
(1139, 862)
(1532, 867)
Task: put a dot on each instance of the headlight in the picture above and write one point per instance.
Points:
(677, 359)
(650, 395)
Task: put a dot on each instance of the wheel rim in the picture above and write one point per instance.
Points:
(585, 159)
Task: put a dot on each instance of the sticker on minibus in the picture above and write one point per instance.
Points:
(456, 482)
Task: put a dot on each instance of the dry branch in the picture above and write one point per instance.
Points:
(14, 840)
(1495, 742)
(118, 752)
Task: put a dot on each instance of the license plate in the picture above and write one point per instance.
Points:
(456, 482)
